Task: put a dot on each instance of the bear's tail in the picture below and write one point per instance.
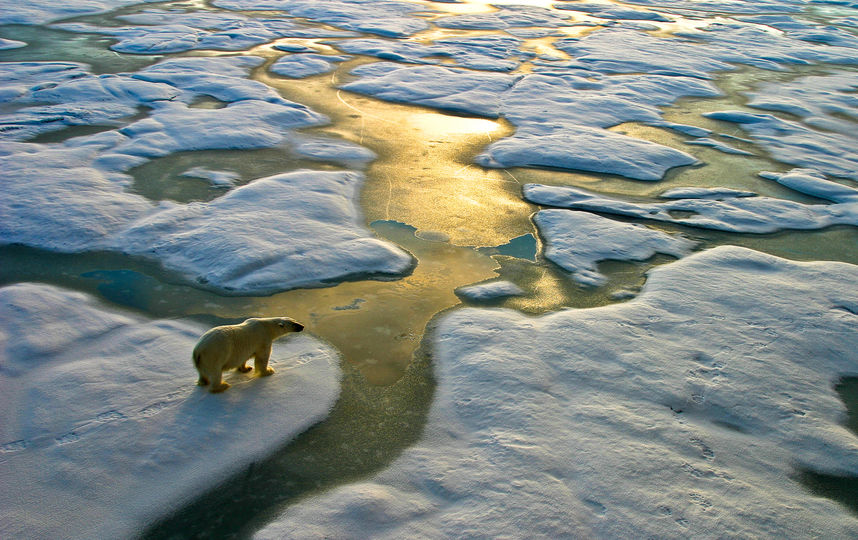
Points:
(197, 358)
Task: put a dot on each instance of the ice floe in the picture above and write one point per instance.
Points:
(44, 11)
(382, 17)
(215, 178)
(577, 241)
(634, 420)
(508, 17)
(299, 66)
(290, 230)
(553, 113)
(794, 143)
(486, 292)
(613, 11)
(586, 149)
(822, 101)
(433, 86)
(734, 214)
(104, 429)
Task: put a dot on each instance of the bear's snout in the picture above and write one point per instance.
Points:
(299, 327)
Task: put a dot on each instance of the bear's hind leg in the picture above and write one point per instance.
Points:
(217, 384)
(203, 380)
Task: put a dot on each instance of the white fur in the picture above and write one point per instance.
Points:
(231, 346)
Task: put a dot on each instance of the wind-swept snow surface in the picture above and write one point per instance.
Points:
(104, 428)
(577, 241)
(680, 414)
(732, 211)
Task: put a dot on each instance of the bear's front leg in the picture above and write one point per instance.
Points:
(260, 362)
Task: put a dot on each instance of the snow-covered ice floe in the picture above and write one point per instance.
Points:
(290, 230)
(729, 211)
(381, 17)
(73, 196)
(104, 428)
(486, 292)
(680, 414)
(577, 241)
(559, 117)
(43, 11)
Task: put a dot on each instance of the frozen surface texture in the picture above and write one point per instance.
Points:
(486, 292)
(43, 11)
(797, 144)
(382, 17)
(628, 421)
(298, 66)
(285, 231)
(728, 213)
(577, 241)
(559, 118)
(275, 234)
(104, 428)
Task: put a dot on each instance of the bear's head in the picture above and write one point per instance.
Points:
(284, 325)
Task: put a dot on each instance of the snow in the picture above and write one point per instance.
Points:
(586, 149)
(554, 114)
(681, 413)
(6, 44)
(73, 196)
(104, 428)
(179, 31)
(819, 100)
(299, 66)
(611, 11)
(510, 17)
(290, 230)
(577, 241)
(44, 11)
(733, 214)
(450, 89)
(215, 178)
(718, 145)
(486, 292)
(797, 144)
(382, 17)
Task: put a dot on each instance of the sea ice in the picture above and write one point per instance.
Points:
(509, 16)
(612, 11)
(826, 101)
(683, 413)
(553, 113)
(433, 86)
(577, 241)
(44, 11)
(734, 214)
(51, 197)
(586, 149)
(382, 17)
(215, 178)
(299, 66)
(298, 229)
(6, 44)
(486, 292)
(104, 429)
(719, 145)
(794, 143)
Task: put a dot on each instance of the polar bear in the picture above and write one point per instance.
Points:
(230, 346)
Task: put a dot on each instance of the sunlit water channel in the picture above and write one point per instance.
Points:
(464, 224)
